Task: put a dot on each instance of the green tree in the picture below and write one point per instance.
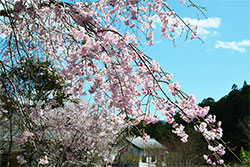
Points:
(33, 80)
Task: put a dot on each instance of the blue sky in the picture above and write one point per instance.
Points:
(209, 69)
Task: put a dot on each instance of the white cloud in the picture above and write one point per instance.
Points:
(237, 46)
(155, 19)
(207, 23)
(205, 26)
(244, 43)
(158, 42)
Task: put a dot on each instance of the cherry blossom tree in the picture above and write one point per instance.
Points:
(92, 50)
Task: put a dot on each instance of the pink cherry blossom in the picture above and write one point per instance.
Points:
(44, 160)
(20, 159)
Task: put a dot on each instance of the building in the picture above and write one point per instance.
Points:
(138, 153)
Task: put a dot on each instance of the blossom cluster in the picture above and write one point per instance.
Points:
(179, 131)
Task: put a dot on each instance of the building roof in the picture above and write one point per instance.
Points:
(151, 143)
